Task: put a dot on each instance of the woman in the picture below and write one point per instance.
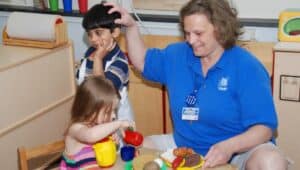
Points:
(220, 95)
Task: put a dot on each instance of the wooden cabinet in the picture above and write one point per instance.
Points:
(286, 92)
(262, 50)
(149, 100)
(146, 101)
(37, 87)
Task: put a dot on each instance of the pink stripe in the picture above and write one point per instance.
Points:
(90, 164)
(85, 149)
(84, 156)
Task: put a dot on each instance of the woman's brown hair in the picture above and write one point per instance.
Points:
(220, 14)
(93, 95)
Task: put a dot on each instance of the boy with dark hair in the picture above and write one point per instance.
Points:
(104, 57)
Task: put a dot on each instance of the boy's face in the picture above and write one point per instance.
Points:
(101, 37)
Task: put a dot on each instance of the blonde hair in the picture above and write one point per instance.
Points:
(93, 95)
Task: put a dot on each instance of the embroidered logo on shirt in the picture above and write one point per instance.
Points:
(223, 84)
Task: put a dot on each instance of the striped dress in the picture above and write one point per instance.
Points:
(83, 160)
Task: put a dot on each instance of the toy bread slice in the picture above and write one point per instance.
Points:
(168, 156)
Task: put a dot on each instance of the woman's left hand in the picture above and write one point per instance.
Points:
(218, 154)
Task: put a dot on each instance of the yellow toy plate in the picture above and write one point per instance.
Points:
(193, 167)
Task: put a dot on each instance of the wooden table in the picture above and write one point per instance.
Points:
(120, 164)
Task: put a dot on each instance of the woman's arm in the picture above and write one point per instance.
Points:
(135, 44)
(221, 152)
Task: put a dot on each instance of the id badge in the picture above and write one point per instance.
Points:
(190, 113)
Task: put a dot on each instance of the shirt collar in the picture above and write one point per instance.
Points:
(195, 64)
(113, 52)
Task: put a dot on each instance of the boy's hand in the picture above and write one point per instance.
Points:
(103, 48)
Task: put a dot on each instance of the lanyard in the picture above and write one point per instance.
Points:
(191, 99)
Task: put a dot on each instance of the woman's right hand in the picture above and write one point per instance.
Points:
(126, 19)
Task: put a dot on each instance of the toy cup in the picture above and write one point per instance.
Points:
(106, 152)
(83, 6)
(53, 5)
(127, 153)
(67, 5)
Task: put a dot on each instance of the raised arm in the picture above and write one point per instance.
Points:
(134, 42)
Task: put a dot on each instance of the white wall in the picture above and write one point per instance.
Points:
(78, 36)
(269, 9)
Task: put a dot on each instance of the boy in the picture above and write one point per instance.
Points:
(104, 57)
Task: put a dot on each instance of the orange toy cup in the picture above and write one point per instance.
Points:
(106, 152)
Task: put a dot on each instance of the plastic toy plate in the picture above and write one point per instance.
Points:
(169, 157)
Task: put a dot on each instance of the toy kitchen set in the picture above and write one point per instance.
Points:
(37, 82)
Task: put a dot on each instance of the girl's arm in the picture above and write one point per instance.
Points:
(94, 134)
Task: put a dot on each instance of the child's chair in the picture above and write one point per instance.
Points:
(46, 154)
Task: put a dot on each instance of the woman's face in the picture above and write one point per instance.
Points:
(100, 36)
(200, 34)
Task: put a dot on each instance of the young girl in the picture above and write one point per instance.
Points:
(92, 119)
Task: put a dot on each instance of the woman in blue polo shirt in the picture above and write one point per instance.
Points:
(220, 96)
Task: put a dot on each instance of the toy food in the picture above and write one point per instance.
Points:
(182, 158)
(133, 137)
(183, 151)
(168, 156)
(139, 161)
(151, 166)
(170, 159)
(192, 160)
(106, 152)
(177, 162)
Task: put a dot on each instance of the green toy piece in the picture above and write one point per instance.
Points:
(128, 166)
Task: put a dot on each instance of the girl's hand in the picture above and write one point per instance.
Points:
(116, 138)
(126, 124)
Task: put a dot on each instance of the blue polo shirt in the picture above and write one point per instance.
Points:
(234, 95)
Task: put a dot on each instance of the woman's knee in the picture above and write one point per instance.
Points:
(267, 158)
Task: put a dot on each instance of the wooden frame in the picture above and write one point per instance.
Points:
(26, 154)
(61, 37)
